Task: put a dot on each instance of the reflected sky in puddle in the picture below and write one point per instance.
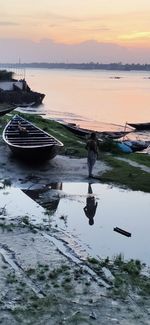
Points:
(17, 204)
(71, 204)
(128, 210)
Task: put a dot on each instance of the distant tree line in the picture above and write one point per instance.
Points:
(82, 66)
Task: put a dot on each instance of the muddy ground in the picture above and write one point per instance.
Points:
(41, 280)
(59, 169)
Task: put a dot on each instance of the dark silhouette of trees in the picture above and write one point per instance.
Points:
(83, 66)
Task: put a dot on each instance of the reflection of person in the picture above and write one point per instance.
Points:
(91, 206)
(91, 146)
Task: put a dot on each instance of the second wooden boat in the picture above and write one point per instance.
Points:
(5, 108)
(28, 141)
(100, 135)
(140, 126)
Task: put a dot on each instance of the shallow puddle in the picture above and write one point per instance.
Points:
(128, 210)
(88, 214)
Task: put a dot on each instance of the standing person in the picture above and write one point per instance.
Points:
(91, 146)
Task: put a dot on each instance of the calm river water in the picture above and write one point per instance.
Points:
(93, 97)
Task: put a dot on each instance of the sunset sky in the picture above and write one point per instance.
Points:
(124, 23)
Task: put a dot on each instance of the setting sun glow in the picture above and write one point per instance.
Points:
(123, 23)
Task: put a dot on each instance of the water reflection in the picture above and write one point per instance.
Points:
(47, 197)
(15, 204)
(91, 205)
(125, 209)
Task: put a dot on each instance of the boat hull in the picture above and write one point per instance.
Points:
(103, 134)
(4, 111)
(34, 154)
(140, 126)
(76, 130)
(28, 142)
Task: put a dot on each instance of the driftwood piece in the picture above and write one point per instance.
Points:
(122, 232)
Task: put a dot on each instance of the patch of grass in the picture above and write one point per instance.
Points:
(8, 227)
(38, 311)
(32, 229)
(127, 276)
(22, 284)
(67, 280)
(3, 121)
(7, 182)
(11, 278)
(99, 263)
(26, 223)
(54, 274)
(124, 174)
(132, 267)
(93, 260)
(56, 285)
(46, 267)
(30, 271)
(140, 158)
(25, 220)
(67, 286)
(62, 270)
(41, 276)
(19, 290)
(144, 287)
(3, 212)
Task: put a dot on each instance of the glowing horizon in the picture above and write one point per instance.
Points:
(69, 22)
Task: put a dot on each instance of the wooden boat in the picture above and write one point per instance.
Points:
(18, 92)
(85, 132)
(140, 126)
(28, 141)
(4, 109)
(114, 134)
(76, 129)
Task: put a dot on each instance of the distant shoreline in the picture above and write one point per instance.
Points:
(80, 66)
